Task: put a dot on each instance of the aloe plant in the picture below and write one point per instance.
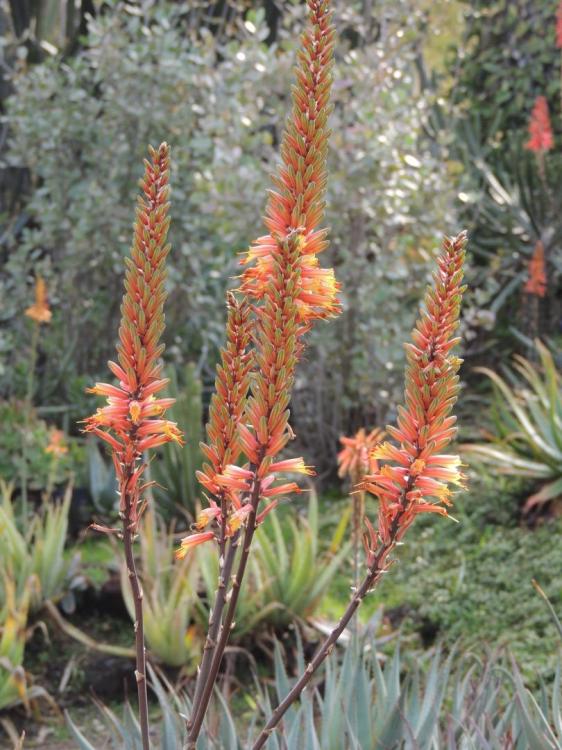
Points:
(102, 482)
(13, 623)
(125, 733)
(38, 553)
(528, 442)
(14, 683)
(287, 576)
(169, 595)
(363, 706)
(457, 702)
(294, 571)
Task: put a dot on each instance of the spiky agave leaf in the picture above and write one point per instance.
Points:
(534, 448)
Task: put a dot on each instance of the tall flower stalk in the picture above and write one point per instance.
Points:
(416, 475)
(288, 289)
(225, 510)
(132, 421)
(40, 313)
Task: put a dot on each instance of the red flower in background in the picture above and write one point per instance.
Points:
(541, 137)
(355, 458)
(536, 283)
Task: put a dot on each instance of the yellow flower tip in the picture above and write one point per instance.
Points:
(417, 467)
(191, 541)
(174, 434)
(234, 523)
(135, 411)
(292, 465)
(206, 516)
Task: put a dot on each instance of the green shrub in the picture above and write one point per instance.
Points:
(507, 58)
(36, 553)
(77, 123)
(42, 467)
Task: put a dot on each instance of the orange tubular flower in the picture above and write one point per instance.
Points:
(286, 281)
(356, 457)
(40, 311)
(295, 208)
(536, 283)
(418, 468)
(225, 412)
(132, 421)
(290, 290)
(192, 541)
(541, 138)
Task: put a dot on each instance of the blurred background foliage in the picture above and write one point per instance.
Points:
(507, 57)
(432, 102)
(77, 122)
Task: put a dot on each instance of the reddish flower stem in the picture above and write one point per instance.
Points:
(209, 678)
(210, 647)
(140, 671)
(377, 568)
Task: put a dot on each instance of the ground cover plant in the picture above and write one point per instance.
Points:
(207, 576)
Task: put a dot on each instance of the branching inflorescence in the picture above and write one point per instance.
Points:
(283, 291)
(284, 282)
(288, 290)
(415, 480)
(133, 419)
